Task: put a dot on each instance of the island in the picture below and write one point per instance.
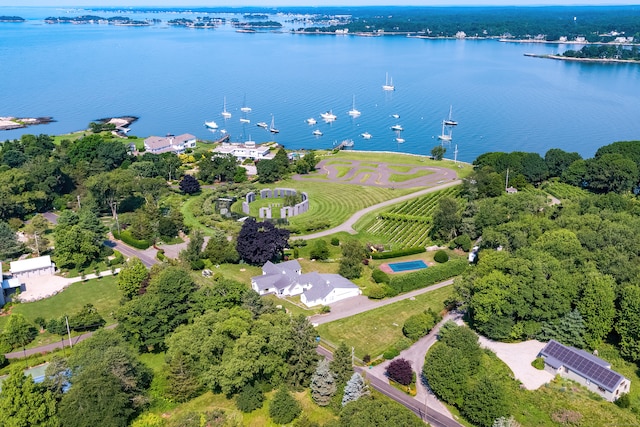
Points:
(11, 19)
(9, 123)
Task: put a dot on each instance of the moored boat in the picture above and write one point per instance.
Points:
(398, 128)
(328, 116)
(317, 132)
(211, 125)
(366, 135)
(263, 125)
(311, 121)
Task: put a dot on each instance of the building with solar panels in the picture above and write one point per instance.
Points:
(584, 368)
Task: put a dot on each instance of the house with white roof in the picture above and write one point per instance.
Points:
(31, 267)
(286, 279)
(584, 368)
(169, 144)
(246, 150)
(8, 286)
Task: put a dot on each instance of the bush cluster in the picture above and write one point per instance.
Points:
(428, 276)
(128, 238)
(398, 253)
(391, 353)
(379, 276)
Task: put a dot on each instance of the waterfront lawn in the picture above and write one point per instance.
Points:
(402, 178)
(376, 330)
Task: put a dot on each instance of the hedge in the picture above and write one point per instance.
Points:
(398, 253)
(126, 237)
(428, 276)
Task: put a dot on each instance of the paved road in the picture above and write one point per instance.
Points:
(348, 224)
(361, 303)
(147, 256)
(425, 411)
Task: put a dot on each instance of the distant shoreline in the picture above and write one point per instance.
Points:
(592, 60)
(11, 123)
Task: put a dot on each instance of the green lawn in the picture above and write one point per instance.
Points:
(376, 330)
(102, 293)
(402, 178)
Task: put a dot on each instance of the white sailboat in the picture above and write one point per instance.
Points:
(244, 107)
(263, 125)
(317, 132)
(388, 84)
(225, 113)
(397, 128)
(328, 116)
(245, 120)
(273, 128)
(353, 112)
(450, 121)
(445, 137)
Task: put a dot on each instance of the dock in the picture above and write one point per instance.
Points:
(344, 145)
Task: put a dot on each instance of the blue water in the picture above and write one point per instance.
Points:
(174, 79)
(398, 267)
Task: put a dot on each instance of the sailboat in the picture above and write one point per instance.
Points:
(244, 107)
(445, 137)
(450, 121)
(272, 128)
(225, 113)
(388, 84)
(328, 116)
(353, 112)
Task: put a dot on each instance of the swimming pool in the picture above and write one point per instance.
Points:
(398, 267)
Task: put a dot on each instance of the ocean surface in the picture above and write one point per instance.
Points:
(175, 79)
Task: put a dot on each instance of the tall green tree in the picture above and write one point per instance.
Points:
(9, 245)
(323, 384)
(26, 404)
(485, 402)
(447, 370)
(628, 323)
(302, 357)
(341, 365)
(284, 408)
(18, 331)
(377, 412)
(447, 219)
(353, 253)
(597, 306)
(131, 277)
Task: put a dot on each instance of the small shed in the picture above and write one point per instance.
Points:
(31, 267)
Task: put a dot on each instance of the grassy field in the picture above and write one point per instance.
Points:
(374, 331)
(102, 293)
(402, 178)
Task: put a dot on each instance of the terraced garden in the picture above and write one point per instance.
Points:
(407, 224)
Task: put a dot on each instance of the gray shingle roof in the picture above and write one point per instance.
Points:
(586, 365)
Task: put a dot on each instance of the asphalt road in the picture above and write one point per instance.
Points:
(129, 252)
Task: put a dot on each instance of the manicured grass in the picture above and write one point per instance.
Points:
(342, 170)
(369, 165)
(400, 168)
(402, 178)
(374, 331)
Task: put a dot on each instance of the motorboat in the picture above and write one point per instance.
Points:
(388, 84)
(223, 131)
(311, 121)
(449, 121)
(398, 128)
(399, 140)
(445, 137)
(273, 128)
(317, 132)
(353, 112)
(243, 120)
(395, 116)
(211, 125)
(366, 135)
(263, 125)
(225, 113)
(328, 116)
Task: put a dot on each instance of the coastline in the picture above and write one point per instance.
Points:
(591, 60)
(11, 123)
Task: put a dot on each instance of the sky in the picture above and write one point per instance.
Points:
(240, 3)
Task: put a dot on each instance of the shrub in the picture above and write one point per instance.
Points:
(398, 253)
(379, 276)
(538, 363)
(249, 399)
(391, 353)
(126, 237)
(296, 253)
(400, 371)
(41, 322)
(197, 264)
(428, 276)
(335, 241)
(366, 358)
(389, 291)
(325, 309)
(4, 362)
(463, 242)
(375, 291)
(319, 250)
(418, 325)
(624, 401)
(441, 257)
(284, 408)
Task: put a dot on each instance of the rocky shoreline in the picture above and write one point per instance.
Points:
(10, 123)
(592, 60)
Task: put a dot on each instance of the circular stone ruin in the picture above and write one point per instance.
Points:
(285, 211)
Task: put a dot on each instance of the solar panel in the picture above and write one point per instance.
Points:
(587, 368)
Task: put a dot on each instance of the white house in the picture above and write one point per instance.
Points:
(246, 150)
(286, 279)
(169, 144)
(584, 368)
(31, 267)
(8, 286)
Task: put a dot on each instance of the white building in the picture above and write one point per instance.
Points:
(246, 150)
(286, 279)
(584, 368)
(31, 267)
(169, 144)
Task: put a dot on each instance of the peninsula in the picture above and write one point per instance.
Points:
(8, 123)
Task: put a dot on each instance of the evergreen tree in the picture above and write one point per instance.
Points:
(355, 389)
(569, 330)
(284, 408)
(249, 399)
(323, 385)
(303, 356)
(26, 404)
(485, 402)
(341, 364)
(183, 384)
